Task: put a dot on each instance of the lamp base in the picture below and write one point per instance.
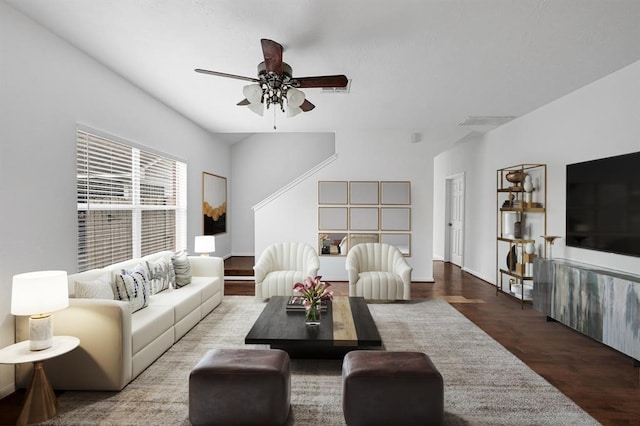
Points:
(40, 332)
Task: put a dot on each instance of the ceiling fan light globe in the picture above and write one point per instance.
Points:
(292, 111)
(253, 93)
(295, 97)
(257, 108)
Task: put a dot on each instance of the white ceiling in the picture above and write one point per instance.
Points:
(416, 66)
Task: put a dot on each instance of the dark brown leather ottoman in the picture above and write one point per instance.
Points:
(391, 388)
(240, 387)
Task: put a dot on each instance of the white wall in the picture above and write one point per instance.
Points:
(361, 156)
(598, 120)
(263, 163)
(46, 88)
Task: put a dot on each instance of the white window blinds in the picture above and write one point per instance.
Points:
(130, 202)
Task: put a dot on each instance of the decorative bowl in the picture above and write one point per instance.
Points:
(515, 176)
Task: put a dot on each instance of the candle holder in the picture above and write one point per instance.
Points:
(548, 240)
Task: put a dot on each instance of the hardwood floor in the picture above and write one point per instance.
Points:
(601, 380)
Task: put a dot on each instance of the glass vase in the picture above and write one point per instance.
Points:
(312, 313)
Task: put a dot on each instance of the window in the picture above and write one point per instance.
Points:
(131, 202)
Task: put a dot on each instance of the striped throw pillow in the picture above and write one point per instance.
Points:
(182, 268)
(133, 289)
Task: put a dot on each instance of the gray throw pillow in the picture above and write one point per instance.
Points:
(182, 268)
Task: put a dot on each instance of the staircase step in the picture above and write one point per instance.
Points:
(239, 266)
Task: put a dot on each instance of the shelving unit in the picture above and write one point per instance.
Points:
(521, 217)
(354, 212)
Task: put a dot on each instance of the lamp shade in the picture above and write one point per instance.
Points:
(292, 111)
(295, 97)
(205, 244)
(253, 93)
(257, 108)
(42, 292)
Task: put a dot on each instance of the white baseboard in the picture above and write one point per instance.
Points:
(479, 275)
(438, 257)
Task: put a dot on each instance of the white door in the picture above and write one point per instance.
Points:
(455, 222)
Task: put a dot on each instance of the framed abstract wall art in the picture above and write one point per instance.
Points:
(214, 204)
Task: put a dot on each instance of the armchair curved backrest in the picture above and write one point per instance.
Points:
(378, 271)
(281, 265)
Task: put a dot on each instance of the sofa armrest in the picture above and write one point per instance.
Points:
(103, 361)
(207, 266)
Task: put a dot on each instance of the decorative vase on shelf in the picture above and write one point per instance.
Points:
(527, 184)
(512, 259)
(529, 248)
(517, 230)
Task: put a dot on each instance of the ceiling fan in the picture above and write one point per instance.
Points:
(275, 83)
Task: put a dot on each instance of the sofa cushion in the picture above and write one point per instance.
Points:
(161, 275)
(100, 288)
(182, 268)
(133, 289)
(148, 324)
(182, 300)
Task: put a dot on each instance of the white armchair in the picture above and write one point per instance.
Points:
(282, 265)
(378, 271)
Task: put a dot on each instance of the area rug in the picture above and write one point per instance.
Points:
(484, 383)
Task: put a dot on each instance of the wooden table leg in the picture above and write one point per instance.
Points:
(40, 403)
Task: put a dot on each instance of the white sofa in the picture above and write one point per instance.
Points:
(116, 345)
(378, 271)
(281, 265)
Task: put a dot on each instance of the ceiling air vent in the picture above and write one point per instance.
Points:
(487, 120)
(344, 89)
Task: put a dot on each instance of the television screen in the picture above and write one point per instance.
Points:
(603, 204)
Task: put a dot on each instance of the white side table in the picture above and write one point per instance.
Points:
(40, 403)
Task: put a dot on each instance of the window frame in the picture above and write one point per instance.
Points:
(121, 178)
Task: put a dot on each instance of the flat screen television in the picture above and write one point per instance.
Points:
(603, 205)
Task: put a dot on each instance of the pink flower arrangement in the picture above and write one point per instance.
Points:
(313, 290)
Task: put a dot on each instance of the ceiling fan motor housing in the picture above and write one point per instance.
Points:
(275, 86)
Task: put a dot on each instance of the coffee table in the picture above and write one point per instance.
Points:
(346, 325)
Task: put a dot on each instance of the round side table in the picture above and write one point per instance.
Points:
(40, 403)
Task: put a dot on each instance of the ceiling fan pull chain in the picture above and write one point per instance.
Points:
(274, 119)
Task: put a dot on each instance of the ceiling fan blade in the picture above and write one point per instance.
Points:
(307, 106)
(272, 52)
(243, 102)
(224, 74)
(322, 81)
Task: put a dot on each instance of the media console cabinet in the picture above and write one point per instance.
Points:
(601, 303)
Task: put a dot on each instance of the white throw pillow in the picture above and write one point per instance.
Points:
(100, 288)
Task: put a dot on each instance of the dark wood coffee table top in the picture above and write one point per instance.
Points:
(345, 325)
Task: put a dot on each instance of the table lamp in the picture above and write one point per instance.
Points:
(205, 244)
(38, 294)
